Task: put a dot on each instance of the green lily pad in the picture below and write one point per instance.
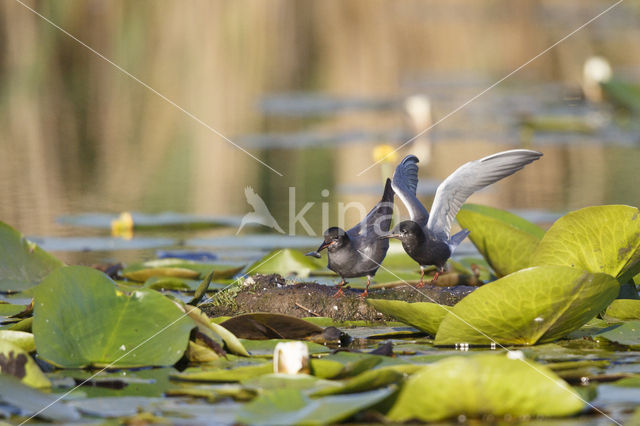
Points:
(597, 239)
(627, 334)
(344, 364)
(284, 262)
(485, 384)
(270, 326)
(22, 263)
(22, 339)
(30, 401)
(82, 319)
(144, 274)
(623, 94)
(265, 348)
(623, 309)
(7, 309)
(422, 315)
(17, 362)
(290, 406)
(288, 381)
(369, 380)
(506, 240)
(237, 374)
(534, 305)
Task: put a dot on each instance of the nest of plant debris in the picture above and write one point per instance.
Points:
(271, 293)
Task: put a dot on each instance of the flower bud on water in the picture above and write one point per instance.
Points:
(291, 358)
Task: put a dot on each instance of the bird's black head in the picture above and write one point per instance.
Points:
(406, 231)
(334, 238)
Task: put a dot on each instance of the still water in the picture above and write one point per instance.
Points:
(310, 90)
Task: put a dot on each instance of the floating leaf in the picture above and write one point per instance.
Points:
(22, 263)
(344, 364)
(538, 304)
(7, 309)
(270, 326)
(597, 239)
(369, 380)
(623, 309)
(81, 319)
(202, 374)
(623, 94)
(425, 316)
(288, 381)
(21, 339)
(506, 240)
(485, 384)
(163, 267)
(627, 334)
(142, 275)
(284, 262)
(31, 401)
(206, 326)
(290, 406)
(17, 362)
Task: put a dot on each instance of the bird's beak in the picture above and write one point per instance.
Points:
(316, 253)
(389, 235)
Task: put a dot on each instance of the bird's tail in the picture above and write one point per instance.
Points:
(456, 239)
(387, 195)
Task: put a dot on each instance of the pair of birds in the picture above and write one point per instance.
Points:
(426, 238)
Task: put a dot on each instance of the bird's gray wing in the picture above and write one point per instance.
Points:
(469, 178)
(405, 182)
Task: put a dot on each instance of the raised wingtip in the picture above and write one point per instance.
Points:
(410, 159)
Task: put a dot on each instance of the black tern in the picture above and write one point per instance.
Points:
(359, 251)
(427, 239)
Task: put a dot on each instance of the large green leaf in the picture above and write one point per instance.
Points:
(81, 319)
(597, 239)
(627, 334)
(486, 384)
(623, 309)
(284, 262)
(22, 339)
(422, 315)
(506, 241)
(538, 304)
(16, 361)
(290, 406)
(22, 263)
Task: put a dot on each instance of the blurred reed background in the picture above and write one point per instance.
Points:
(78, 135)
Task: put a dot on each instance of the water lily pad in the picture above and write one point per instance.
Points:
(81, 319)
(22, 263)
(597, 239)
(207, 374)
(30, 401)
(534, 305)
(22, 339)
(142, 275)
(270, 326)
(290, 406)
(623, 309)
(288, 381)
(17, 362)
(284, 262)
(486, 384)
(422, 315)
(369, 380)
(627, 334)
(8, 309)
(506, 240)
(171, 267)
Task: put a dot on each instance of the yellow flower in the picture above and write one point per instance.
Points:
(123, 226)
(385, 153)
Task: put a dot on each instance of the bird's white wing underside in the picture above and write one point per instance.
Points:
(469, 178)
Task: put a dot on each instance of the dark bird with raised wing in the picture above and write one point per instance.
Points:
(359, 251)
(427, 238)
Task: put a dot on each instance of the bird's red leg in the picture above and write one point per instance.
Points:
(340, 292)
(364, 295)
(437, 274)
(421, 283)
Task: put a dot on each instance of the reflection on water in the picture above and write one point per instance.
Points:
(309, 88)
